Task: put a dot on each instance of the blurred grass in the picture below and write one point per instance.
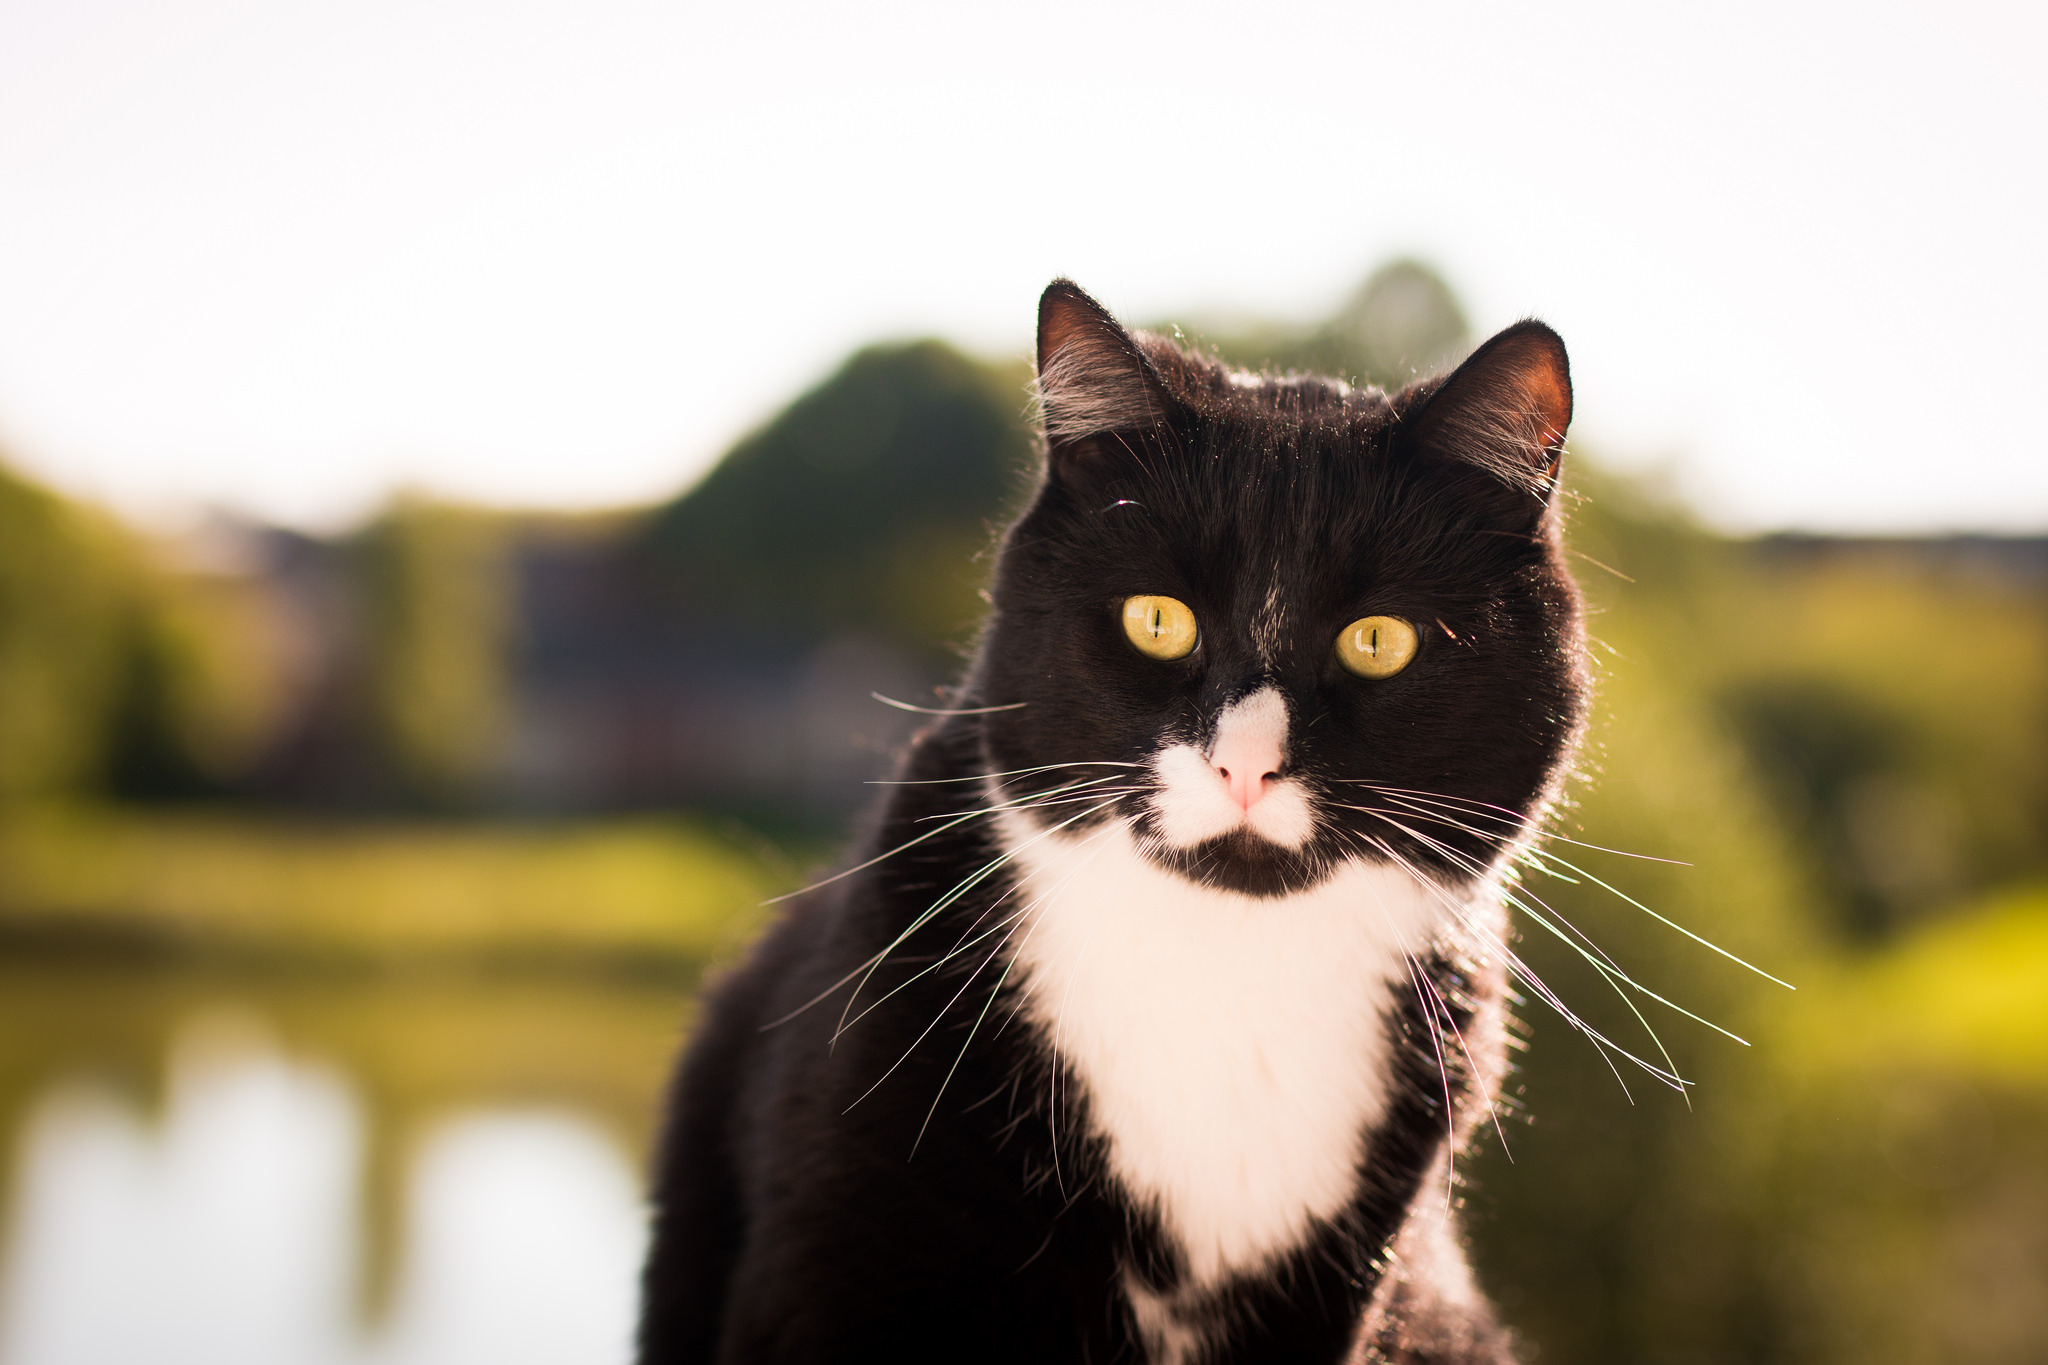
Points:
(1967, 995)
(1881, 1169)
(647, 888)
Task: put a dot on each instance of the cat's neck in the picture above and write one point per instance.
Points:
(1232, 1051)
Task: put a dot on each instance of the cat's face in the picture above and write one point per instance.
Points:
(1279, 625)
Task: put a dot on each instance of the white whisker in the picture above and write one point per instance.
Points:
(983, 777)
(1522, 972)
(867, 967)
(1443, 1071)
(1056, 796)
(961, 888)
(942, 711)
(1614, 974)
(1507, 816)
(996, 991)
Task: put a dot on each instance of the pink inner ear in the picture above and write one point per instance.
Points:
(1535, 368)
(1091, 377)
(1062, 327)
(1544, 390)
(1069, 321)
(1507, 407)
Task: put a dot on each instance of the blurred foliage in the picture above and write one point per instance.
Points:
(126, 672)
(1402, 323)
(641, 890)
(1841, 746)
(118, 674)
(865, 506)
(437, 623)
(204, 687)
(1752, 697)
(65, 607)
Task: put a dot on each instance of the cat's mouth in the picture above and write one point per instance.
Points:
(1243, 861)
(1196, 801)
(1244, 831)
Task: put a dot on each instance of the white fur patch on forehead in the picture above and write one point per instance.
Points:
(1263, 712)
(1094, 384)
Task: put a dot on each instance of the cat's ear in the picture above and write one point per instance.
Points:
(1504, 410)
(1092, 378)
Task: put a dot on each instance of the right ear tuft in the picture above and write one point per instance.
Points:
(1092, 378)
(1505, 409)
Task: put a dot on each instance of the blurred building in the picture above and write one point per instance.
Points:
(723, 650)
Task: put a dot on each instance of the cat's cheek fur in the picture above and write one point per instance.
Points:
(1232, 1051)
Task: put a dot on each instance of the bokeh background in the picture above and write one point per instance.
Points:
(465, 473)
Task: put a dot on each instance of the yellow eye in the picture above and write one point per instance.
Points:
(1376, 646)
(1161, 627)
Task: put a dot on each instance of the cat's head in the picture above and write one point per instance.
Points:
(1312, 623)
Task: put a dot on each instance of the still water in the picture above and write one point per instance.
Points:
(247, 1169)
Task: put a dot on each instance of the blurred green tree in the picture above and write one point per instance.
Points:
(121, 675)
(866, 506)
(65, 610)
(435, 588)
(1402, 323)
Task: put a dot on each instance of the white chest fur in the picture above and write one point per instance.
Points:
(1233, 1049)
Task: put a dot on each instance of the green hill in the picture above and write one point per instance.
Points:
(866, 505)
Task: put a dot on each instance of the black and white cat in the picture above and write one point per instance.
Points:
(1170, 976)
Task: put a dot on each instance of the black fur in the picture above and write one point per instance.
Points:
(906, 1188)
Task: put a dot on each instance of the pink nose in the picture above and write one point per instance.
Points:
(1246, 763)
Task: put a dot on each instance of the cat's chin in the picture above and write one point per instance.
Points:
(1247, 863)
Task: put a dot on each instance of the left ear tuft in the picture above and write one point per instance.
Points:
(1092, 379)
(1505, 409)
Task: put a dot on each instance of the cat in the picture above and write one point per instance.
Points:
(1156, 1003)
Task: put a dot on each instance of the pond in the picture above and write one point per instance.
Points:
(303, 1167)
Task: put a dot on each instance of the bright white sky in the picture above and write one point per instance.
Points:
(288, 257)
